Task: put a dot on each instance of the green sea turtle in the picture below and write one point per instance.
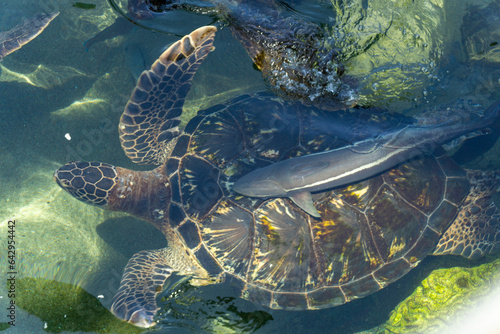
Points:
(288, 48)
(22, 34)
(370, 233)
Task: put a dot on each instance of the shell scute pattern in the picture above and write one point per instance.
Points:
(414, 184)
(208, 262)
(360, 288)
(456, 186)
(199, 186)
(276, 247)
(176, 215)
(264, 128)
(190, 234)
(174, 185)
(193, 124)
(227, 233)
(424, 245)
(391, 271)
(445, 212)
(217, 138)
(404, 227)
(283, 250)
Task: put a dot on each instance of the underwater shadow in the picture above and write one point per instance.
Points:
(129, 235)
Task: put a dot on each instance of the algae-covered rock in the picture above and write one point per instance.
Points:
(441, 296)
(66, 307)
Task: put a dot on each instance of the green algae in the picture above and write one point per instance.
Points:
(83, 5)
(440, 295)
(67, 307)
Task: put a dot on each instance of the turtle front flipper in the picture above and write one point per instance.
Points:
(152, 115)
(142, 280)
(22, 34)
(476, 230)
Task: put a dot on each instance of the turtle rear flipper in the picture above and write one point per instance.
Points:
(151, 116)
(476, 230)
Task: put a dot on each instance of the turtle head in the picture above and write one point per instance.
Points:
(143, 194)
(89, 182)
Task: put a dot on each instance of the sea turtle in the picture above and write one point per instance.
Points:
(370, 233)
(288, 48)
(22, 34)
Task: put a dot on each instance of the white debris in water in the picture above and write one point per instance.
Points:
(67, 136)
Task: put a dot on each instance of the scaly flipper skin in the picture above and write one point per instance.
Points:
(20, 35)
(142, 280)
(151, 116)
(476, 230)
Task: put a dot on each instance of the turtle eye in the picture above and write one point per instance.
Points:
(64, 183)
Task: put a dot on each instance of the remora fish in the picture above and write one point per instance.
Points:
(297, 177)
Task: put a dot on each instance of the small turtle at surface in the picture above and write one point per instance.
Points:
(370, 233)
(290, 50)
(22, 34)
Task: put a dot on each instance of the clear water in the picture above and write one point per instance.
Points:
(405, 56)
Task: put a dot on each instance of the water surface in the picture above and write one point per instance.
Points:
(405, 55)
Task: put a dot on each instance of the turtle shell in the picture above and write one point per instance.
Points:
(370, 233)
